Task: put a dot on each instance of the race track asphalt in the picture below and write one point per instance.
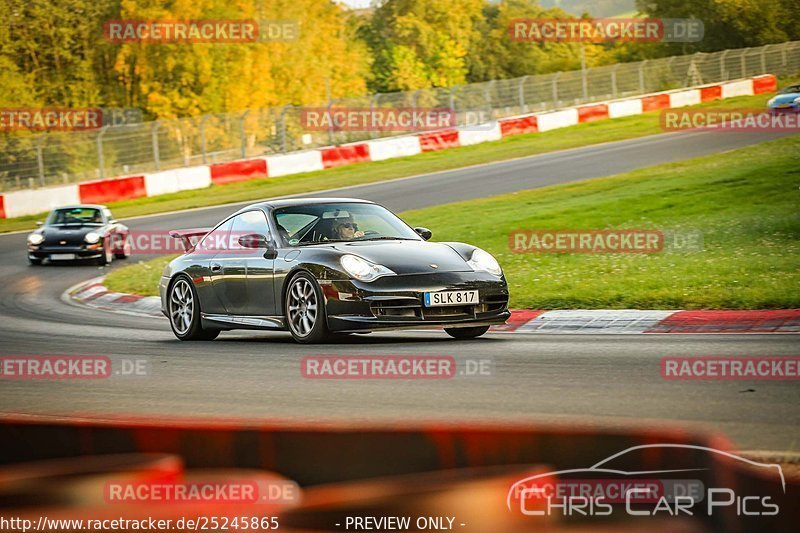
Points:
(610, 379)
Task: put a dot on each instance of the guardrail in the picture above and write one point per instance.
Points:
(33, 161)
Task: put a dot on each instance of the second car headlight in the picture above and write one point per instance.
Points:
(35, 239)
(91, 237)
(363, 270)
(482, 260)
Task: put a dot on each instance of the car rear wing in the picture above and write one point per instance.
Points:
(186, 236)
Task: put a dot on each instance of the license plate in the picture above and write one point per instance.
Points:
(783, 106)
(438, 299)
(61, 257)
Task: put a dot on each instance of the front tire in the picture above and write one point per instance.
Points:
(125, 251)
(466, 333)
(184, 312)
(35, 261)
(107, 255)
(304, 310)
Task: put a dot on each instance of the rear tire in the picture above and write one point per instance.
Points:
(304, 310)
(466, 333)
(183, 307)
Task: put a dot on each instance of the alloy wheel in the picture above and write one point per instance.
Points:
(181, 306)
(302, 307)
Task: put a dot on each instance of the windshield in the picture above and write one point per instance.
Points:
(80, 215)
(341, 222)
(792, 89)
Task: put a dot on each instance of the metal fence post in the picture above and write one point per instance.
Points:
(722, 76)
(641, 76)
(764, 59)
(154, 139)
(242, 120)
(40, 157)
(283, 128)
(522, 107)
(614, 80)
(488, 96)
(555, 88)
(373, 103)
(203, 138)
(743, 58)
(330, 128)
(100, 161)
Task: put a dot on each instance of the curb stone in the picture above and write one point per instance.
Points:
(94, 294)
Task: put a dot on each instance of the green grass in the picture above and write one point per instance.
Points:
(746, 203)
(508, 148)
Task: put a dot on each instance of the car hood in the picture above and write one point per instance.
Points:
(408, 257)
(70, 234)
(785, 98)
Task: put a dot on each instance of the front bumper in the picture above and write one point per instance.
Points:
(395, 302)
(80, 251)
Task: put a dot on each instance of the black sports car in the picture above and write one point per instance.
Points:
(79, 232)
(322, 266)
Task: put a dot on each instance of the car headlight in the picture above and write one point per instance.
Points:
(35, 239)
(91, 237)
(771, 101)
(363, 270)
(483, 261)
(797, 100)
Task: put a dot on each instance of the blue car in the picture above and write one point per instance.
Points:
(787, 100)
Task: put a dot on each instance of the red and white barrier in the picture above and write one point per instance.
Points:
(684, 98)
(737, 88)
(625, 108)
(29, 202)
(480, 134)
(558, 119)
(394, 147)
(294, 163)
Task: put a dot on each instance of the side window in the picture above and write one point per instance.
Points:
(250, 222)
(216, 240)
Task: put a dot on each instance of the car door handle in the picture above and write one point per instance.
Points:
(216, 267)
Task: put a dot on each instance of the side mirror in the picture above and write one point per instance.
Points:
(253, 240)
(39, 223)
(256, 240)
(425, 233)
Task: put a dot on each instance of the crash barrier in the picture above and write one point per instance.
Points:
(346, 154)
(295, 163)
(234, 171)
(346, 469)
(35, 201)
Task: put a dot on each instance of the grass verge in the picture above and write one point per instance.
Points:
(509, 148)
(745, 202)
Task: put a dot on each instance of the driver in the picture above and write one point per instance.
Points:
(346, 229)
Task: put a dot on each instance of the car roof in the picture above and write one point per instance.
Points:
(291, 202)
(80, 206)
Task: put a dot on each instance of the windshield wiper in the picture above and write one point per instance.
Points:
(307, 243)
